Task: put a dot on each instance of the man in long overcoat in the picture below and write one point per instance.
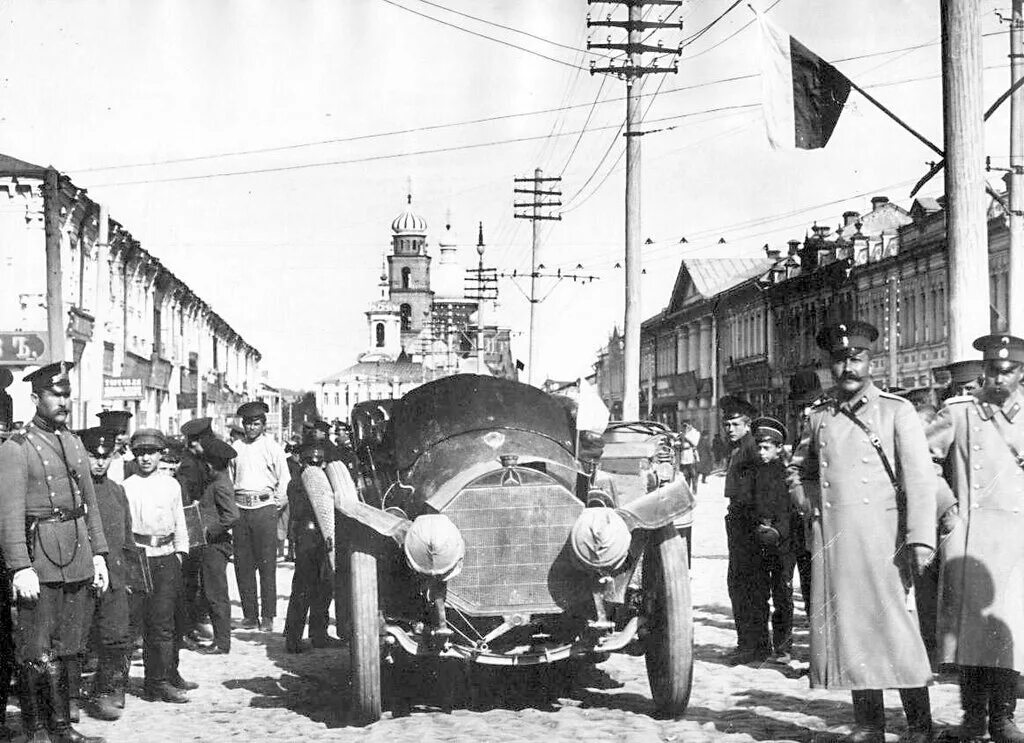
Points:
(978, 438)
(870, 531)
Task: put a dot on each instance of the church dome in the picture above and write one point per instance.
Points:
(409, 222)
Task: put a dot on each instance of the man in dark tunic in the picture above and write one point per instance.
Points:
(110, 617)
(312, 582)
(747, 591)
(53, 543)
(193, 475)
(220, 513)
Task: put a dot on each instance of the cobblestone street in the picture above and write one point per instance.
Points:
(260, 693)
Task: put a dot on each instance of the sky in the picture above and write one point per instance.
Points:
(262, 149)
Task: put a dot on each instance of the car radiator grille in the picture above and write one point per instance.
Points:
(517, 558)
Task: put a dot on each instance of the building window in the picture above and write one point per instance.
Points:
(380, 335)
(406, 274)
(337, 399)
(406, 315)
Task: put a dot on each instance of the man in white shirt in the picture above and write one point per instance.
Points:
(158, 523)
(689, 438)
(260, 474)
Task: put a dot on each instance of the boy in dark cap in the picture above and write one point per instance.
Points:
(121, 464)
(220, 514)
(53, 545)
(158, 521)
(747, 590)
(193, 475)
(312, 582)
(260, 473)
(964, 378)
(110, 620)
(774, 511)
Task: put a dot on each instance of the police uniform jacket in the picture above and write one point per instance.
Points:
(218, 508)
(981, 592)
(739, 477)
(193, 475)
(864, 627)
(117, 528)
(38, 477)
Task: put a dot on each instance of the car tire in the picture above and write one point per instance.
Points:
(668, 641)
(365, 702)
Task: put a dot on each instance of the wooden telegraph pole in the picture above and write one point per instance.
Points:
(55, 315)
(632, 71)
(1015, 177)
(966, 224)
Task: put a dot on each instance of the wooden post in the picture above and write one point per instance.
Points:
(966, 224)
(1015, 178)
(631, 329)
(55, 315)
(531, 371)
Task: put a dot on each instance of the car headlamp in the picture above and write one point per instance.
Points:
(434, 547)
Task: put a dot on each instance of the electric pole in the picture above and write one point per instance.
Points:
(1015, 177)
(966, 223)
(482, 287)
(632, 71)
(542, 201)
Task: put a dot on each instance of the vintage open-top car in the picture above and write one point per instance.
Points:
(481, 533)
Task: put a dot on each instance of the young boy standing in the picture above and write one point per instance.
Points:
(773, 512)
(110, 620)
(158, 521)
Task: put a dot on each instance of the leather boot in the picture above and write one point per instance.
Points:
(868, 717)
(108, 677)
(159, 666)
(974, 703)
(122, 685)
(73, 668)
(917, 707)
(1002, 703)
(32, 698)
(60, 721)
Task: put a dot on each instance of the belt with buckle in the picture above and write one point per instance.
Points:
(152, 540)
(251, 500)
(57, 515)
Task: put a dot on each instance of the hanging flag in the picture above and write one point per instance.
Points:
(802, 94)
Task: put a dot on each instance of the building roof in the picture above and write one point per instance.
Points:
(382, 371)
(12, 166)
(708, 277)
(409, 222)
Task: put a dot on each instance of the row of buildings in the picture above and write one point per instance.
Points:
(76, 286)
(427, 322)
(745, 326)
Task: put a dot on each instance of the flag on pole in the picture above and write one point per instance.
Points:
(802, 94)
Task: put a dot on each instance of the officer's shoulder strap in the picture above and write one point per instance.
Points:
(18, 438)
(959, 400)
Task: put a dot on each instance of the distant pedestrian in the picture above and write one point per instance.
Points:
(773, 510)
(688, 440)
(863, 472)
(705, 458)
(158, 520)
(261, 475)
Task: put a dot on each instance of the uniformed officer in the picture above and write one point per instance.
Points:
(964, 378)
(53, 544)
(804, 390)
(121, 464)
(312, 581)
(110, 619)
(862, 470)
(193, 475)
(747, 591)
(220, 514)
(260, 474)
(977, 438)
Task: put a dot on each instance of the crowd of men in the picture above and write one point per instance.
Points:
(106, 547)
(907, 515)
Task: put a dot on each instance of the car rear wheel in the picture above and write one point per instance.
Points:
(669, 621)
(365, 703)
